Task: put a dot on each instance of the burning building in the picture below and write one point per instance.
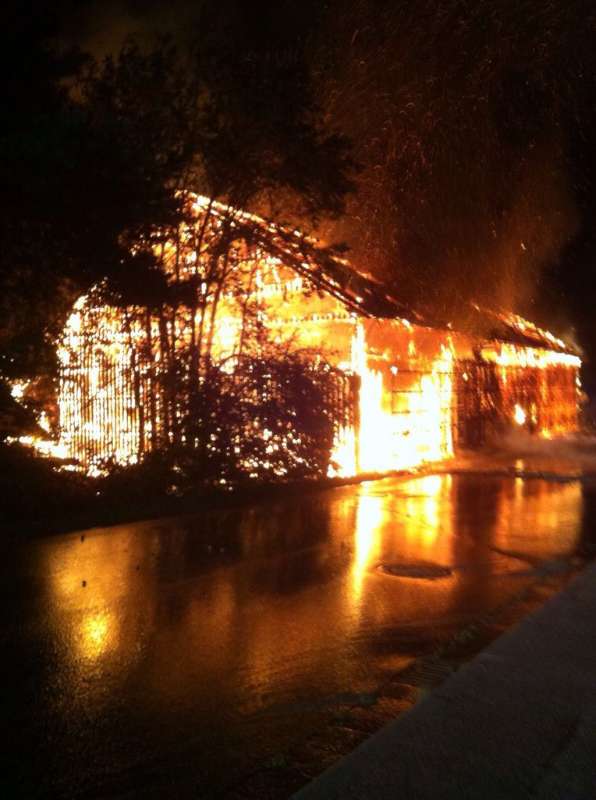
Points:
(410, 391)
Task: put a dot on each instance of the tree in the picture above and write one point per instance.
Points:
(137, 135)
(197, 359)
(107, 183)
(38, 132)
(105, 178)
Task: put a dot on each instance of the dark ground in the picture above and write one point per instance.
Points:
(516, 723)
(237, 654)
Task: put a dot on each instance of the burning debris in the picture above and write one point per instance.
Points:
(241, 291)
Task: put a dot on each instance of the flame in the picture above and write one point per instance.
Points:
(537, 386)
(403, 406)
(343, 461)
(519, 415)
(18, 389)
(44, 447)
(417, 430)
(512, 355)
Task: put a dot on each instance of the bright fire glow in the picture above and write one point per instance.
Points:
(401, 429)
(519, 415)
(512, 355)
(45, 447)
(537, 385)
(405, 408)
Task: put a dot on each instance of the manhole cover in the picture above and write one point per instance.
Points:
(420, 571)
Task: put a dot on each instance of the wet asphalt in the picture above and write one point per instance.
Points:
(173, 658)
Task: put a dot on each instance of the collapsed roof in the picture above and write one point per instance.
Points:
(361, 292)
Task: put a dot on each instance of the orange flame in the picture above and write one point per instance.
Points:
(406, 407)
(417, 431)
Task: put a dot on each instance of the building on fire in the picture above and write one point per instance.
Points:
(413, 392)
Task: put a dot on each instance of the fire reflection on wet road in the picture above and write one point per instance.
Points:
(183, 652)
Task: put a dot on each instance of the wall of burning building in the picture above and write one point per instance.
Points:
(536, 388)
(412, 393)
(113, 405)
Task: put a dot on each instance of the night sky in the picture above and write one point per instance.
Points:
(473, 125)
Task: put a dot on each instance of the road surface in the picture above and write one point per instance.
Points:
(175, 658)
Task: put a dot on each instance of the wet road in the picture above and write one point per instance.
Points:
(170, 658)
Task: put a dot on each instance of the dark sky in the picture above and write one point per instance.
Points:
(474, 124)
(102, 27)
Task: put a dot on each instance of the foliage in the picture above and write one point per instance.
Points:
(268, 418)
(270, 146)
(83, 178)
(33, 490)
(96, 164)
(97, 160)
(268, 435)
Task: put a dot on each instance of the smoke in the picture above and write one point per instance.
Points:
(461, 117)
(557, 455)
(458, 113)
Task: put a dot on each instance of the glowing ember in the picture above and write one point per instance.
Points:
(18, 389)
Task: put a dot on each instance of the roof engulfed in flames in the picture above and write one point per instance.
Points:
(509, 327)
(361, 292)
